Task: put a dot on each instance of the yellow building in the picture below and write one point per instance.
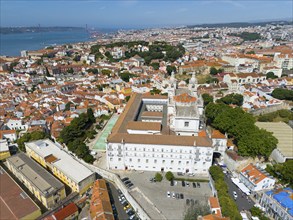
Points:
(70, 171)
(4, 150)
(126, 91)
(44, 186)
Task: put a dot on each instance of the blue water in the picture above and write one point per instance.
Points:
(12, 44)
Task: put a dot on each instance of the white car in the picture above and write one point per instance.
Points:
(173, 195)
(235, 195)
(168, 194)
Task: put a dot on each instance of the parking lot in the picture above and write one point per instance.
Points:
(154, 199)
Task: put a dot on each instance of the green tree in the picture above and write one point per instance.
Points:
(169, 176)
(171, 69)
(76, 58)
(282, 171)
(125, 76)
(158, 177)
(106, 72)
(251, 52)
(235, 99)
(67, 106)
(70, 70)
(271, 75)
(90, 115)
(258, 143)
(257, 212)
(213, 71)
(207, 99)
(195, 210)
(238, 124)
(12, 65)
(27, 137)
(283, 94)
(228, 205)
(155, 65)
(127, 98)
(89, 158)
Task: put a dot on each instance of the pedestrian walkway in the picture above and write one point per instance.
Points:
(101, 142)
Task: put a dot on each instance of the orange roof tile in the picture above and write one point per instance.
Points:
(184, 98)
(66, 211)
(254, 174)
(217, 134)
(214, 203)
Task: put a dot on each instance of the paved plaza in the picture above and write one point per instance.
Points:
(153, 196)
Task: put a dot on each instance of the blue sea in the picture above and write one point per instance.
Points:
(12, 44)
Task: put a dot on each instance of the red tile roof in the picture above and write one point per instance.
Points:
(66, 211)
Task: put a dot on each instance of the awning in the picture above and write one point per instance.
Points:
(241, 186)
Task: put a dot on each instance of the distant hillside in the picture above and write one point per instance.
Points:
(20, 30)
(241, 24)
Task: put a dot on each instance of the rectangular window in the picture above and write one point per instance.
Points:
(138, 160)
(147, 160)
(186, 124)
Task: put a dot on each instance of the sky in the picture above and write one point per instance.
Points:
(139, 13)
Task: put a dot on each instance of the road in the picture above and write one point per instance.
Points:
(243, 203)
(113, 193)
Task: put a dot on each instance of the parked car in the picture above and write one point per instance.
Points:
(172, 183)
(124, 202)
(187, 201)
(187, 184)
(175, 182)
(125, 179)
(132, 217)
(177, 195)
(235, 195)
(173, 195)
(153, 180)
(181, 196)
(198, 185)
(168, 194)
(128, 206)
(183, 183)
(129, 185)
(180, 174)
(191, 202)
(194, 185)
(127, 182)
(129, 211)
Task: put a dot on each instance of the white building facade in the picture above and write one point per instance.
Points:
(256, 179)
(160, 157)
